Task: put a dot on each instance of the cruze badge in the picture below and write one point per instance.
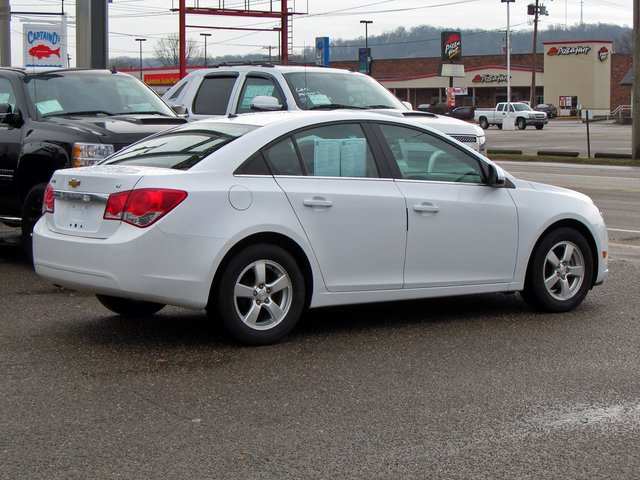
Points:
(74, 183)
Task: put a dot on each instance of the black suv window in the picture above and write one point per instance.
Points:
(6, 93)
(213, 95)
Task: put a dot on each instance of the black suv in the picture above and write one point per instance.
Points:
(65, 118)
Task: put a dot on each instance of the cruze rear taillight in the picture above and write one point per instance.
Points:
(47, 203)
(142, 207)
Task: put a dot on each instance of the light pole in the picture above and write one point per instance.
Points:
(508, 49)
(140, 40)
(366, 40)
(205, 35)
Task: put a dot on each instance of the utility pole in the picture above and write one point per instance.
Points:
(5, 33)
(536, 15)
(635, 90)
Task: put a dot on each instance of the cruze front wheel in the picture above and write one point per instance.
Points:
(261, 294)
(560, 272)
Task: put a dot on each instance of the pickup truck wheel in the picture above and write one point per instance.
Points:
(484, 123)
(521, 123)
(31, 213)
(539, 126)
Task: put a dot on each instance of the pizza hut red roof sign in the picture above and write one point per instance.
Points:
(44, 46)
(451, 46)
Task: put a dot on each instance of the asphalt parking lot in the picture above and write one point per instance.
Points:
(471, 387)
(564, 135)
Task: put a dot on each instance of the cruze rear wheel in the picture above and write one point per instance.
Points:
(261, 294)
(560, 272)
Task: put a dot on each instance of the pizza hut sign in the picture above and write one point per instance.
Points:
(451, 46)
(578, 50)
(489, 78)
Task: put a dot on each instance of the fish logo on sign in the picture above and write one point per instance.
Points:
(43, 51)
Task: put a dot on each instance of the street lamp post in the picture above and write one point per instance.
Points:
(140, 40)
(205, 35)
(366, 41)
(508, 49)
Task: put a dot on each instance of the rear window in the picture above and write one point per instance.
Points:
(179, 149)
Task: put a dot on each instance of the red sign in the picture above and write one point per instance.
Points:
(161, 79)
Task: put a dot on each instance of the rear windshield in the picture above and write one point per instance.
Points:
(179, 149)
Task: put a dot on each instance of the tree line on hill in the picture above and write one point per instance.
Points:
(417, 42)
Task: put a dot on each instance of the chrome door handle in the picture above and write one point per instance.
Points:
(426, 207)
(317, 202)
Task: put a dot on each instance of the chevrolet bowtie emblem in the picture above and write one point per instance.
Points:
(74, 183)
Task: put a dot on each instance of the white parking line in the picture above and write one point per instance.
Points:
(623, 231)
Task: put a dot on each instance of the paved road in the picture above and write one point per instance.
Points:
(564, 135)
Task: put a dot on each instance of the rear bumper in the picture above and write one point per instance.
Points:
(142, 264)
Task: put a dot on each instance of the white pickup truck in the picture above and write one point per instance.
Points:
(521, 113)
(238, 89)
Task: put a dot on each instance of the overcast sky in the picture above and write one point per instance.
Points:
(336, 19)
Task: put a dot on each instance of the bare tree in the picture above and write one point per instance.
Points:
(168, 51)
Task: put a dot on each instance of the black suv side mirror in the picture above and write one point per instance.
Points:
(8, 116)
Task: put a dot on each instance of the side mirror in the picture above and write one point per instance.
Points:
(408, 105)
(8, 116)
(179, 109)
(265, 102)
(496, 176)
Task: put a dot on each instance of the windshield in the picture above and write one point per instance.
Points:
(521, 107)
(316, 90)
(92, 94)
(179, 149)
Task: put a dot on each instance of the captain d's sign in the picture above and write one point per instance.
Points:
(44, 46)
(451, 46)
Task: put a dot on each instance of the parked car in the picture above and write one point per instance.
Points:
(257, 217)
(461, 113)
(548, 108)
(520, 112)
(51, 119)
(239, 89)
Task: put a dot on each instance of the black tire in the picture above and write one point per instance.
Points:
(129, 308)
(484, 123)
(31, 213)
(261, 295)
(539, 126)
(560, 272)
(521, 123)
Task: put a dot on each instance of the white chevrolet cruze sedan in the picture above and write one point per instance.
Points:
(256, 218)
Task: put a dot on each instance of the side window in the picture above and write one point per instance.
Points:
(254, 86)
(336, 151)
(213, 95)
(500, 107)
(421, 156)
(6, 93)
(283, 158)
